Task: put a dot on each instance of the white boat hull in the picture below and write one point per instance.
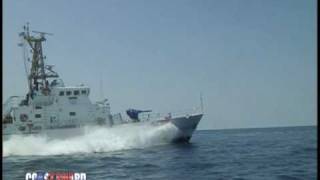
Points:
(185, 126)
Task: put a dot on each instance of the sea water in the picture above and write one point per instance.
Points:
(145, 153)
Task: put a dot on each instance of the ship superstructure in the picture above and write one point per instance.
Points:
(49, 104)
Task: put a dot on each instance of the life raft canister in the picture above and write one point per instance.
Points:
(23, 117)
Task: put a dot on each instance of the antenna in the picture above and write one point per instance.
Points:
(201, 102)
(26, 28)
(101, 87)
(24, 55)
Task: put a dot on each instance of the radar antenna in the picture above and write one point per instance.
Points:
(42, 33)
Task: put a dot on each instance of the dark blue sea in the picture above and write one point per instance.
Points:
(262, 153)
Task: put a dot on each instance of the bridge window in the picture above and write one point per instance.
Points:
(22, 128)
(38, 107)
(84, 92)
(72, 113)
(68, 93)
(61, 93)
(76, 92)
(7, 120)
(37, 128)
(37, 116)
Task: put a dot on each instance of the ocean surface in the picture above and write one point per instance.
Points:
(261, 153)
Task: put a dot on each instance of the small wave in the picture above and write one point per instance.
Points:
(287, 177)
(310, 149)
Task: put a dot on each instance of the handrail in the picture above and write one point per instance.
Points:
(11, 102)
(161, 116)
(9, 99)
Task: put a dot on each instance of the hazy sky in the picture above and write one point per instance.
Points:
(253, 60)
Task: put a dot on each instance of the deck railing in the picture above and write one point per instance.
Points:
(161, 116)
(10, 103)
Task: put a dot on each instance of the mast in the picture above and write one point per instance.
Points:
(39, 72)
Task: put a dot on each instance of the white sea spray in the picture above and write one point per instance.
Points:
(129, 136)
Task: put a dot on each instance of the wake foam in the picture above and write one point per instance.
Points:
(129, 136)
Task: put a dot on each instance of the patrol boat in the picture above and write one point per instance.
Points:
(53, 109)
